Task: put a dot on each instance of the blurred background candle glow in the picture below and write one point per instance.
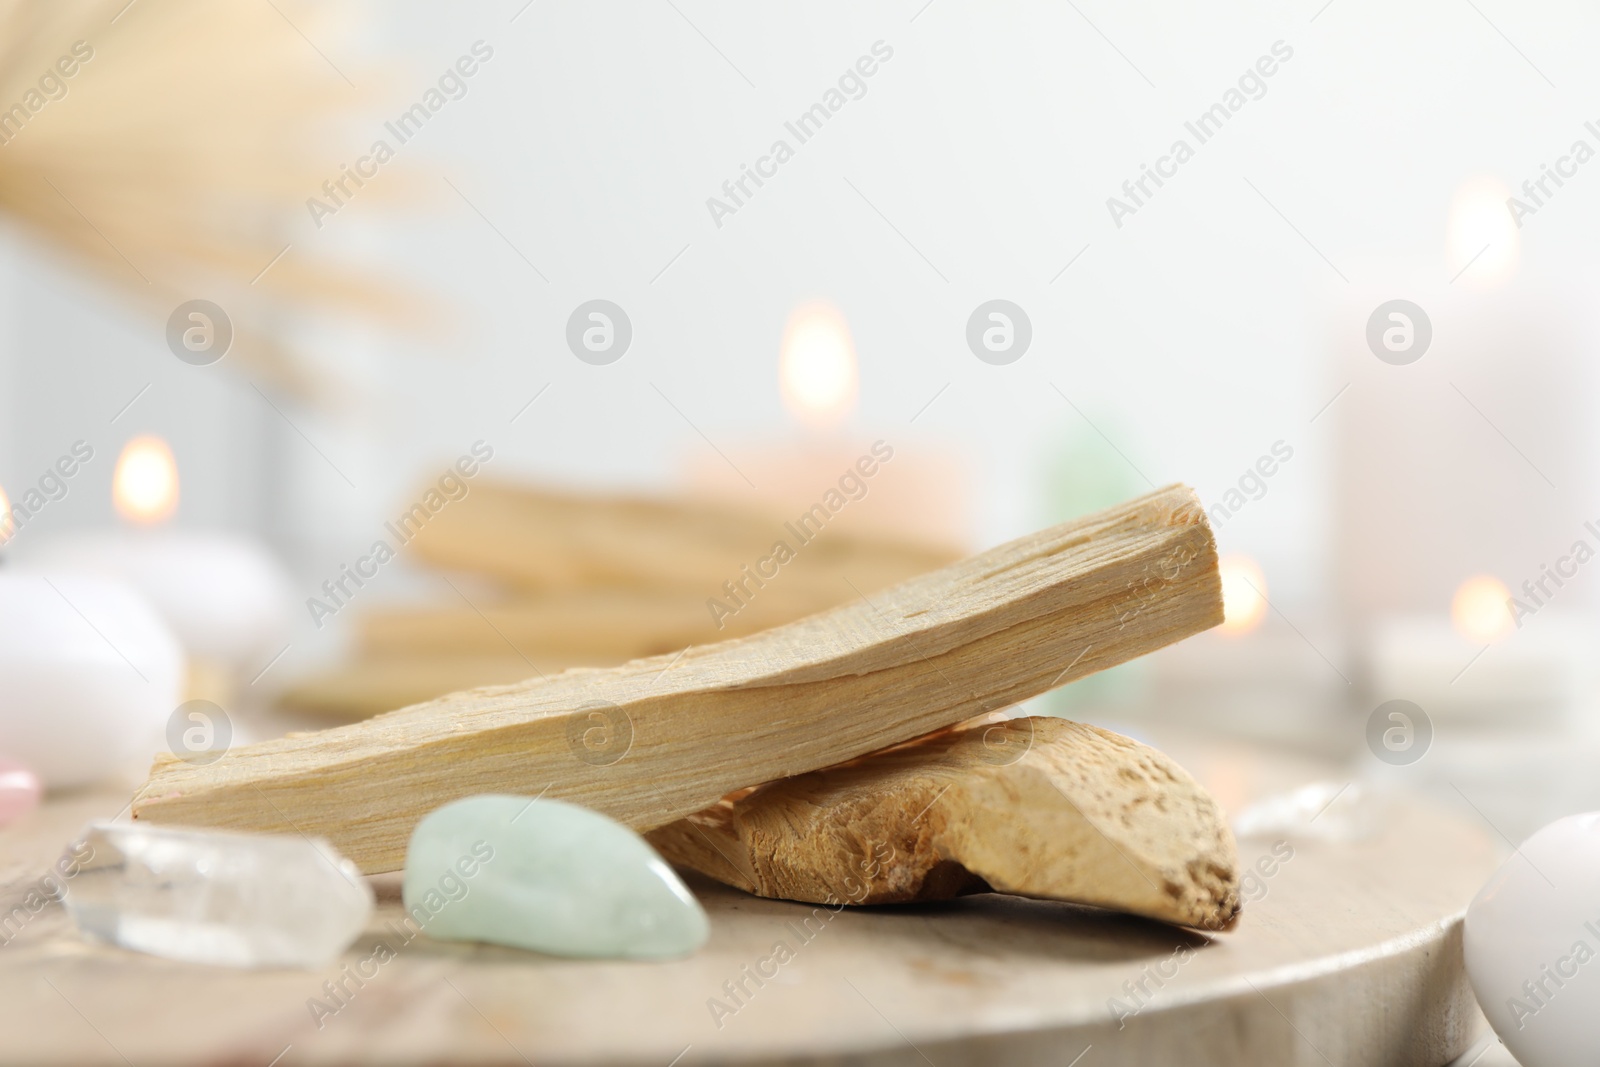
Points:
(225, 596)
(1480, 609)
(145, 482)
(817, 368)
(1483, 247)
(921, 495)
(1244, 589)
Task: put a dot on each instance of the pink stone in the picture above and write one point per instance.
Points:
(20, 790)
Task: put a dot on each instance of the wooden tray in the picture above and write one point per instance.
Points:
(1350, 955)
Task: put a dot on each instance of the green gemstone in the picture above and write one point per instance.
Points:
(548, 876)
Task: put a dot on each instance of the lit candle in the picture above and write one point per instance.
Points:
(226, 597)
(1244, 599)
(1482, 246)
(918, 493)
(1463, 403)
(1475, 663)
(817, 372)
(90, 675)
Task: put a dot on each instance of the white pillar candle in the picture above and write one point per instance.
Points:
(89, 675)
(225, 597)
(1478, 456)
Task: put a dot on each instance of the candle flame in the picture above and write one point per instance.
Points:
(1482, 244)
(7, 525)
(1244, 594)
(817, 365)
(145, 484)
(1481, 609)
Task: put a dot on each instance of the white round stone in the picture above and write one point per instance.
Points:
(89, 674)
(1532, 945)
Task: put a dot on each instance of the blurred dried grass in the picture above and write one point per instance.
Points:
(179, 159)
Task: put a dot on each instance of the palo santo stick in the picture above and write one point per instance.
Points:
(596, 627)
(658, 739)
(1038, 807)
(370, 685)
(409, 655)
(538, 540)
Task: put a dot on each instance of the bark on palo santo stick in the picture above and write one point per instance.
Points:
(1036, 807)
(655, 740)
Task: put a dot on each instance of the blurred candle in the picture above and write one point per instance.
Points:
(1244, 589)
(919, 494)
(1483, 247)
(225, 597)
(145, 482)
(1473, 663)
(1466, 423)
(1479, 609)
(88, 676)
(817, 370)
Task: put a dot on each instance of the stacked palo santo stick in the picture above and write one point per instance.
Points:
(832, 759)
(594, 581)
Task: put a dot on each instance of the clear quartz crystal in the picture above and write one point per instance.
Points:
(238, 900)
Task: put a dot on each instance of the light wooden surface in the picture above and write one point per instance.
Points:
(655, 740)
(1349, 955)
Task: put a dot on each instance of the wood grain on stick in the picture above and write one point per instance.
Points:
(1038, 807)
(593, 627)
(657, 739)
(540, 540)
(373, 684)
(408, 655)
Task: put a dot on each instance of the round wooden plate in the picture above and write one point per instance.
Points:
(1347, 953)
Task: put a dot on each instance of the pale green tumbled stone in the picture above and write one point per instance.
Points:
(547, 876)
